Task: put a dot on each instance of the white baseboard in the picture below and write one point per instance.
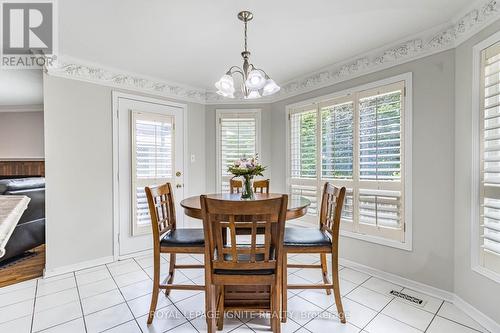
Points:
(75, 267)
(477, 315)
(469, 309)
(396, 279)
(135, 254)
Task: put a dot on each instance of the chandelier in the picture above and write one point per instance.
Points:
(256, 83)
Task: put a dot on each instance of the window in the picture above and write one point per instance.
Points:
(359, 139)
(238, 135)
(487, 179)
(152, 161)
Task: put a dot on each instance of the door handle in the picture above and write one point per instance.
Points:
(178, 174)
(178, 185)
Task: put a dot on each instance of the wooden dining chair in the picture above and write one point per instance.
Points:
(259, 186)
(234, 263)
(323, 240)
(167, 238)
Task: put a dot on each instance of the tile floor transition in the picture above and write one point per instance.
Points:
(115, 298)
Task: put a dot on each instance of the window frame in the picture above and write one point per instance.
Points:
(476, 109)
(221, 113)
(406, 154)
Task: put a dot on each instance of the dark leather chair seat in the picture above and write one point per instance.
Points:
(306, 237)
(184, 237)
(243, 258)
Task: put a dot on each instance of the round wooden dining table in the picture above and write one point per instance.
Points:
(297, 205)
(238, 296)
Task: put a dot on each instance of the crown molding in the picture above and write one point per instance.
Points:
(438, 39)
(21, 108)
(418, 46)
(73, 68)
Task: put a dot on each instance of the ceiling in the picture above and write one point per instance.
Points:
(194, 41)
(20, 87)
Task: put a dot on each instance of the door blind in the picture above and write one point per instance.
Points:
(152, 160)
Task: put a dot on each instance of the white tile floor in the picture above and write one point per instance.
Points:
(115, 298)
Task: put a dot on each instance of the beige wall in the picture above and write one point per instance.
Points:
(431, 260)
(79, 189)
(21, 135)
(474, 288)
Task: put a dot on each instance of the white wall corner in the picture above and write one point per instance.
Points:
(477, 315)
(448, 296)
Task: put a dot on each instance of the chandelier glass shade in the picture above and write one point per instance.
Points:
(255, 81)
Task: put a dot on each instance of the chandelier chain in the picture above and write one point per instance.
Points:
(246, 36)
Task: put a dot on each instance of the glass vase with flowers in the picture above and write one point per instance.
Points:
(247, 168)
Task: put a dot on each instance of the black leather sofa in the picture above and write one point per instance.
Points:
(30, 230)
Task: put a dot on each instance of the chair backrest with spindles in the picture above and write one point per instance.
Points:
(259, 186)
(235, 186)
(224, 248)
(331, 210)
(161, 209)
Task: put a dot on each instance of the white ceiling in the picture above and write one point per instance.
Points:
(20, 87)
(194, 41)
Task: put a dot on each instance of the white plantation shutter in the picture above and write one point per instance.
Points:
(303, 156)
(356, 141)
(490, 161)
(237, 136)
(337, 150)
(380, 136)
(380, 183)
(337, 121)
(152, 161)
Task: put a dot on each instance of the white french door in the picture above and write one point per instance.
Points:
(150, 152)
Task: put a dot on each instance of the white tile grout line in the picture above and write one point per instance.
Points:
(173, 303)
(34, 302)
(378, 313)
(80, 301)
(434, 317)
(128, 306)
(328, 309)
(24, 300)
(395, 300)
(456, 322)
(323, 310)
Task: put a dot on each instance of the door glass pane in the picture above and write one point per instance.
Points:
(153, 137)
(142, 209)
(153, 149)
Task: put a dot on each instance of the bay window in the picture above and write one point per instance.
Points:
(360, 139)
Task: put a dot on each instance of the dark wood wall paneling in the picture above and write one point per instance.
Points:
(9, 169)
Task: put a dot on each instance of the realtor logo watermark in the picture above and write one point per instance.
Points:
(28, 32)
